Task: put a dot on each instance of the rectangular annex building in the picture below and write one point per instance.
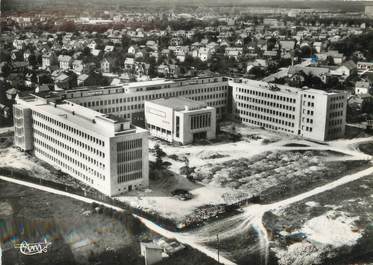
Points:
(180, 120)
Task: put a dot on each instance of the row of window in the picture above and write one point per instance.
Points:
(308, 96)
(308, 129)
(266, 110)
(131, 144)
(125, 168)
(71, 170)
(263, 124)
(336, 105)
(160, 95)
(308, 104)
(266, 118)
(129, 167)
(333, 132)
(308, 112)
(335, 114)
(129, 155)
(266, 95)
(337, 98)
(200, 121)
(265, 103)
(130, 176)
(158, 129)
(70, 149)
(69, 128)
(335, 122)
(66, 137)
(307, 120)
(40, 144)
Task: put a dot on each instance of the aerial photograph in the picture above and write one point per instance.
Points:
(176, 132)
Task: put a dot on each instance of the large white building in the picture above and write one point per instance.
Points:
(180, 120)
(227, 96)
(310, 113)
(104, 152)
(87, 132)
(127, 100)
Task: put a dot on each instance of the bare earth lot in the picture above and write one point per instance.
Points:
(263, 164)
(334, 227)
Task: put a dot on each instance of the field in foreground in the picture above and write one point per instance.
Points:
(78, 236)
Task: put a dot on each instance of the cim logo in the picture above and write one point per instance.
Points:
(30, 249)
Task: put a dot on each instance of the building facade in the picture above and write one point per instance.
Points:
(266, 105)
(127, 100)
(309, 113)
(104, 152)
(180, 120)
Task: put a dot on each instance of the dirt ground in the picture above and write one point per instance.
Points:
(336, 227)
(78, 236)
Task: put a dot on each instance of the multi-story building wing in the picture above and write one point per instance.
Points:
(265, 105)
(104, 152)
(310, 113)
(322, 114)
(127, 100)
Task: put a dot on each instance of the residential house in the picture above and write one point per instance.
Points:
(318, 46)
(132, 50)
(337, 56)
(78, 66)
(362, 87)
(170, 71)
(26, 55)
(108, 64)
(65, 62)
(234, 52)
(204, 54)
(65, 80)
(96, 52)
(91, 79)
(176, 41)
(108, 48)
(5, 111)
(19, 66)
(92, 44)
(364, 67)
(129, 64)
(321, 72)
(345, 70)
(287, 45)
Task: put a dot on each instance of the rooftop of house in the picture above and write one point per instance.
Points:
(308, 70)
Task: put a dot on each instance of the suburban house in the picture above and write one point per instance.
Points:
(65, 61)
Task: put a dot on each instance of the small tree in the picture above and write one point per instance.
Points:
(159, 153)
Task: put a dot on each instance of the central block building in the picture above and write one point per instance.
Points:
(180, 120)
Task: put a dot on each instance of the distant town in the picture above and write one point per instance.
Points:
(176, 133)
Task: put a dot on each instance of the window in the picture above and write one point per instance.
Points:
(177, 126)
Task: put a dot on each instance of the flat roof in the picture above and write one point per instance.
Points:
(180, 103)
(282, 88)
(83, 117)
(153, 82)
